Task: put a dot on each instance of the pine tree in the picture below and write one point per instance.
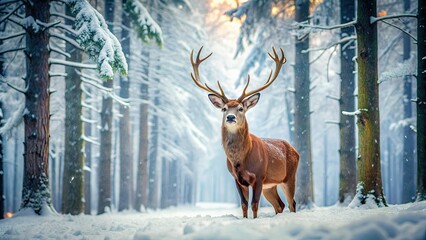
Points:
(369, 173)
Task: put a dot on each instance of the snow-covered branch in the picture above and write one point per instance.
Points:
(68, 29)
(96, 40)
(338, 26)
(15, 118)
(71, 64)
(144, 24)
(57, 74)
(64, 16)
(47, 25)
(376, 19)
(85, 105)
(332, 122)
(346, 39)
(333, 97)
(90, 140)
(57, 50)
(66, 39)
(83, 119)
(8, 2)
(355, 113)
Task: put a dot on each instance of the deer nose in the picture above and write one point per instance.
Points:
(230, 118)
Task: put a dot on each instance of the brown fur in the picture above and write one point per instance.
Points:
(255, 162)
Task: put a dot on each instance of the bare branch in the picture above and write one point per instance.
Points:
(12, 50)
(11, 12)
(344, 25)
(403, 30)
(23, 91)
(8, 2)
(376, 19)
(333, 97)
(346, 39)
(12, 36)
(72, 64)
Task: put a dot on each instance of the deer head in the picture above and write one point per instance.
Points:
(234, 109)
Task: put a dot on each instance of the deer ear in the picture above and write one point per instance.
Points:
(217, 101)
(251, 101)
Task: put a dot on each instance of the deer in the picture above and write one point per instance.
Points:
(260, 163)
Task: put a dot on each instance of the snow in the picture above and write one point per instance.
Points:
(224, 221)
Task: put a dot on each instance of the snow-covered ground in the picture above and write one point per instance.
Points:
(224, 221)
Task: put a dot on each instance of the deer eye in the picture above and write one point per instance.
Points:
(223, 109)
(240, 109)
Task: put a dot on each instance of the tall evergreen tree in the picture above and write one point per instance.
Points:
(347, 175)
(104, 175)
(126, 156)
(73, 175)
(369, 173)
(302, 125)
(408, 171)
(421, 101)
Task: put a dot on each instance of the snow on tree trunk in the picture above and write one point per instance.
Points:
(369, 173)
(126, 155)
(73, 177)
(347, 175)
(408, 171)
(36, 192)
(104, 196)
(421, 101)
(302, 128)
(142, 167)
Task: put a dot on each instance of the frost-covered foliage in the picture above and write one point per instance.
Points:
(37, 200)
(96, 39)
(146, 27)
(366, 199)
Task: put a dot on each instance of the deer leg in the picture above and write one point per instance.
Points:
(244, 194)
(289, 190)
(257, 191)
(272, 196)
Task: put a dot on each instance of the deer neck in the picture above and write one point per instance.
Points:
(237, 144)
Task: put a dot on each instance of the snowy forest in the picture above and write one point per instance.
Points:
(99, 114)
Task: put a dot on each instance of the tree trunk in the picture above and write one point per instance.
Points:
(347, 176)
(104, 196)
(421, 101)
(142, 171)
(165, 183)
(408, 172)
(153, 158)
(88, 162)
(2, 197)
(36, 192)
(369, 174)
(302, 128)
(73, 176)
(126, 156)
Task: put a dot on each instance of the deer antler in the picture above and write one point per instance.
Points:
(278, 64)
(196, 76)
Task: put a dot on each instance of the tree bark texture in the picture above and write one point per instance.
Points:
(36, 192)
(408, 159)
(126, 155)
(421, 101)
(369, 173)
(73, 176)
(142, 166)
(302, 127)
(2, 197)
(104, 195)
(347, 175)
